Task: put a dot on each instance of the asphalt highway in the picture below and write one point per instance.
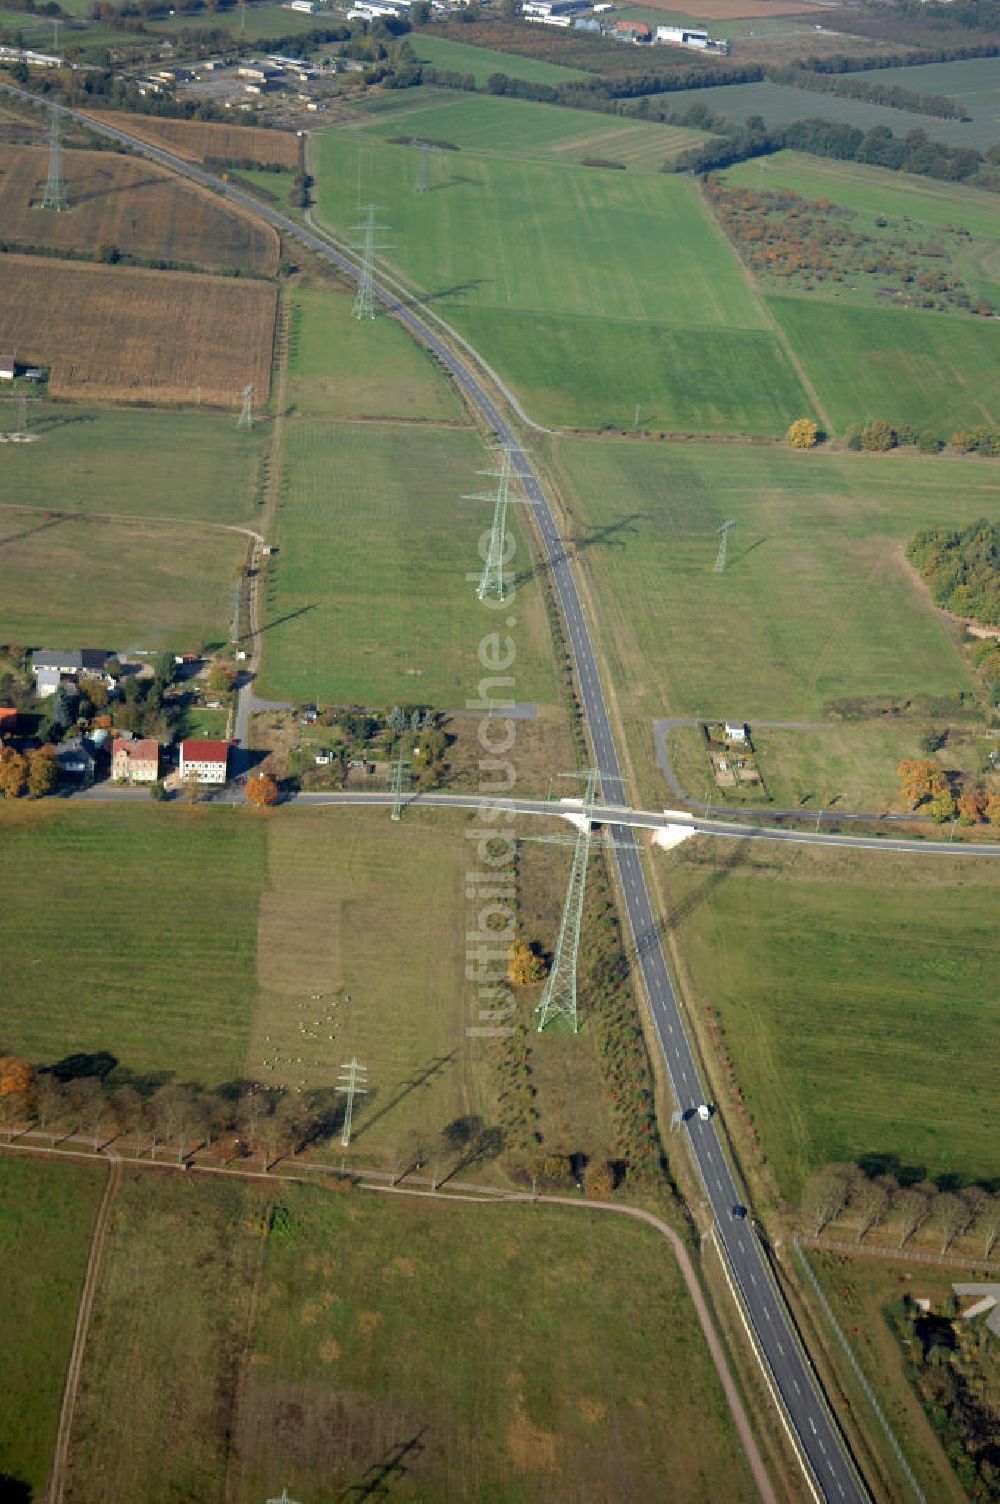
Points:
(819, 1441)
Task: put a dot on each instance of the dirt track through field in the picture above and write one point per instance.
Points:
(57, 1481)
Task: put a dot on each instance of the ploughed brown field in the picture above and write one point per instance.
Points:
(132, 205)
(130, 335)
(198, 139)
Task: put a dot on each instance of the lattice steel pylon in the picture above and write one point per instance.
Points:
(559, 999)
(720, 558)
(352, 1083)
(364, 298)
(491, 582)
(400, 768)
(21, 399)
(246, 411)
(54, 196)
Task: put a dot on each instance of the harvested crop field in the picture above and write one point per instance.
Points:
(131, 205)
(135, 335)
(199, 140)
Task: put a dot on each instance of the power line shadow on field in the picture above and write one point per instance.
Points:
(40, 527)
(677, 913)
(417, 300)
(423, 1077)
(392, 1468)
(745, 552)
(114, 189)
(457, 180)
(279, 621)
(59, 420)
(573, 548)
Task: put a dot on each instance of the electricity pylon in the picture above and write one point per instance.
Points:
(54, 196)
(22, 399)
(491, 582)
(720, 558)
(427, 150)
(352, 1083)
(400, 768)
(285, 1498)
(364, 299)
(246, 411)
(559, 999)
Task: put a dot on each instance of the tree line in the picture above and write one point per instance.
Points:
(846, 1194)
(87, 1095)
(915, 152)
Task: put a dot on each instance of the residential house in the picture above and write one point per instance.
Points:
(8, 719)
(135, 760)
(8, 368)
(76, 760)
(204, 761)
(737, 732)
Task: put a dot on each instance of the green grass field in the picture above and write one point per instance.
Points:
(583, 338)
(97, 459)
(927, 369)
(781, 104)
(370, 602)
(816, 603)
(158, 1390)
(856, 996)
(972, 83)
(161, 585)
(273, 187)
(364, 1329)
(340, 368)
(46, 1215)
(497, 127)
(158, 924)
(482, 61)
(346, 915)
(113, 558)
(494, 233)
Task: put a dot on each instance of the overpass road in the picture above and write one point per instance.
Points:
(820, 1444)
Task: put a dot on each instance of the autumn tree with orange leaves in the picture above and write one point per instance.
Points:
(262, 791)
(921, 778)
(525, 967)
(17, 1086)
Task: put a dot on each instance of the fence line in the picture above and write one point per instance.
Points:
(858, 1371)
(952, 1261)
